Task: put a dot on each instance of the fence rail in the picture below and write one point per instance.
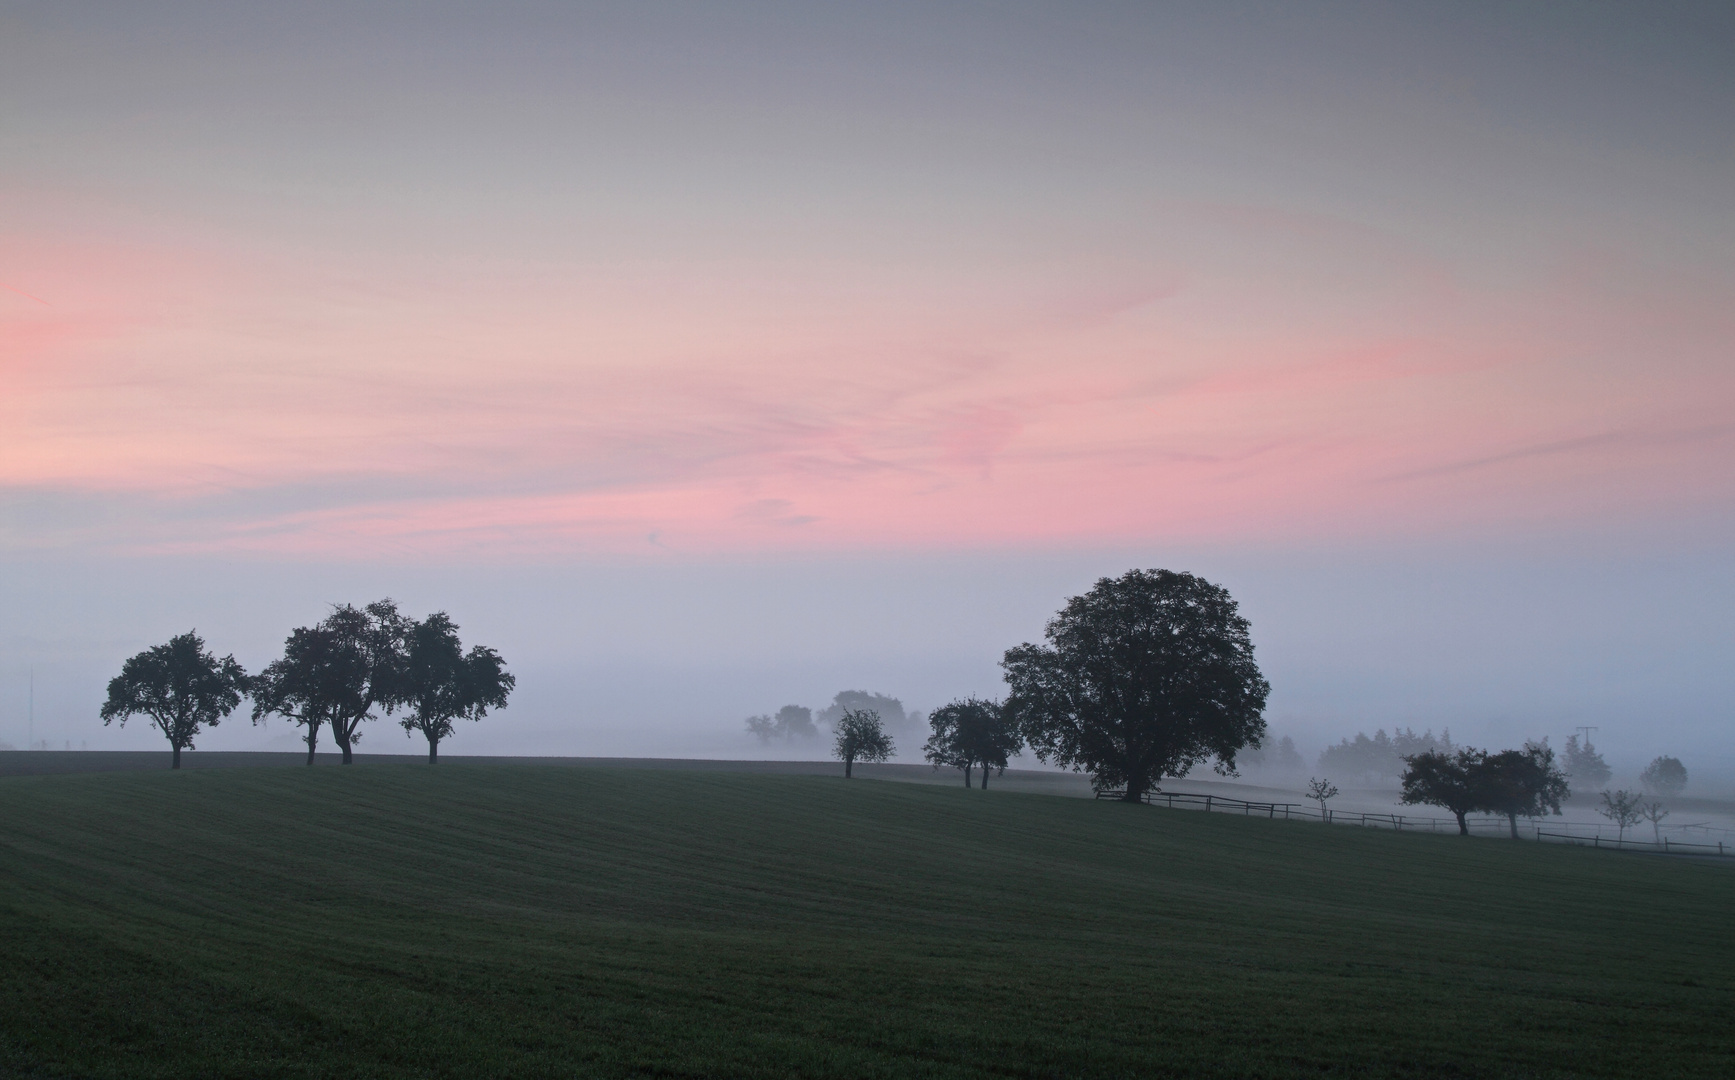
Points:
(1619, 843)
(1412, 822)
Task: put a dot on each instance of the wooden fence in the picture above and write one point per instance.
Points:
(1400, 822)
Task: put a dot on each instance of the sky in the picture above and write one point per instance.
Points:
(707, 358)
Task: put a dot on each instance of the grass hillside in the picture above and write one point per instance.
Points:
(514, 920)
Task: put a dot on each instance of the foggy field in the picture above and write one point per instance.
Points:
(482, 919)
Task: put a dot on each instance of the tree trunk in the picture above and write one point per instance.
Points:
(1512, 819)
(984, 776)
(312, 741)
(847, 762)
(1136, 786)
(967, 775)
(342, 737)
(433, 750)
(1463, 829)
(176, 762)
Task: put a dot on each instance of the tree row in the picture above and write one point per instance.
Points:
(355, 665)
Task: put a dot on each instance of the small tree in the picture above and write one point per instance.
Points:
(1654, 813)
(1664, 776)
(180, 686)
(1624, 808)
(1522, 782)
(1321, 790)
(971, 732)
(441, 683)
(1449, 781)
(861, 737)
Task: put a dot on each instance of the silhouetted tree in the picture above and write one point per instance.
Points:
(861, 737)
(1654, 813)
(180, 686)
(307, 682)
(1452, 781)
(1523, 782)
(1145, 676)
(1624, 808)
(1584, 764)
(1664, 776)
(1322, 790)
(970, 732)
(337, 673)
(441, 683)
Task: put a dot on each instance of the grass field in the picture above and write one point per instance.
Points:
(519, 920)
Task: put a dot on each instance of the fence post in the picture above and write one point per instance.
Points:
(1207, 804)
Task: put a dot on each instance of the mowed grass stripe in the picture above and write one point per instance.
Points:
(475, 919)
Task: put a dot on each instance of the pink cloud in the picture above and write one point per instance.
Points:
(1268, 379)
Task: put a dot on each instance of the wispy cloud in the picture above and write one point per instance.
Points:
(1291, 377)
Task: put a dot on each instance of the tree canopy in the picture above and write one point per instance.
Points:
(440, 683)
(1452, 781)
(337, 673)
(1144, 676)
(1523, 783)
(861, 737)
(1664, 776)
(889, 709)
(971, 732)
(791, 722)
(180, 686)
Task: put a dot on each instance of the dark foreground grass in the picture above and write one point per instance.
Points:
(515, 920)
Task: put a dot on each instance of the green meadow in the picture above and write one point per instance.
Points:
(523, 920)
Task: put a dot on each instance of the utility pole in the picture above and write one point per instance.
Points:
(1587, 730)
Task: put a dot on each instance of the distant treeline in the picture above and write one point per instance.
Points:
(794, 723)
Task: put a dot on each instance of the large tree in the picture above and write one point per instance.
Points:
(180, 686)
(307, 683)
(1524, 783)
(1452, 781)
(861, 737)
(1664, 776)
(1144, 676)
(971, 732)
(441, 683)
(338, 673)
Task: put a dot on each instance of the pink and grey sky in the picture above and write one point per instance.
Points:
(409, 297)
